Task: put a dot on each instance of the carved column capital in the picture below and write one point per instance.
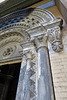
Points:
(54, 33)
(41, 41)
(28, 55)
(54, 36)
(27, 50)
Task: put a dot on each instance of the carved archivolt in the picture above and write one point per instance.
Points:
(24, 26)
(9, 44)
(10, 37)
(26, 19)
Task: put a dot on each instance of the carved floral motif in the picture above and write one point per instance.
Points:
(8, 51)
(17, 28)
(54, 35)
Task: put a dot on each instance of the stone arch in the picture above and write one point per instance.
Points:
(14, 29)
(10, 37)
(26, 18)
(10, 45)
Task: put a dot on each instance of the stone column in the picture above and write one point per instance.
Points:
(26, 84)
(44, 82)
(19, 94)
(23, 90)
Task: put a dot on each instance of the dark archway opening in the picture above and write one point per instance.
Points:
(9, 75)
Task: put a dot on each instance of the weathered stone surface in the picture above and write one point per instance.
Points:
(59, 70)
(31, 28)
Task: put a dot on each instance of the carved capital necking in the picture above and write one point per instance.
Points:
(41, 41)
(27, 50)
(50, 30)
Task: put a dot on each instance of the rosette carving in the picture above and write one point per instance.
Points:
(8, 51)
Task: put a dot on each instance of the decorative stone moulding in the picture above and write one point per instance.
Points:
(54, 34)
(26, 25)
(24, 35)
(8, 51)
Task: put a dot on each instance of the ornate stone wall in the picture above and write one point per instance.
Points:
(26, 35)
(15, 29)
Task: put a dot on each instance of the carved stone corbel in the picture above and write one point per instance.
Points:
(54, 36)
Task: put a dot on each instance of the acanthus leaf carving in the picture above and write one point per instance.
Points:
(54, 36)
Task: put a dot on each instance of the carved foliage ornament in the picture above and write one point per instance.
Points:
(54, 35)
(39, 21)
(8, 51)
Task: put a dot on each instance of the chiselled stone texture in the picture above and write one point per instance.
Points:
(27, 18)
(22, 27)
(33, 80)
(20, 82)
(54, 35)
(59, 70)
(8, 51)
(15, 28)
(27, 77)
